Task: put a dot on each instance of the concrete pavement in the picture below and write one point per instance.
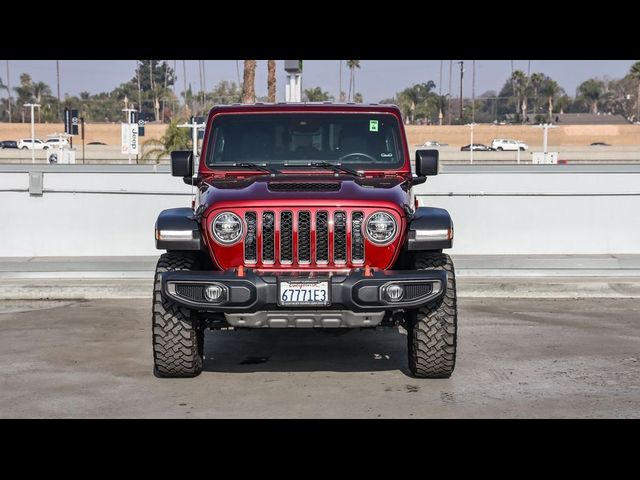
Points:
(531, 358)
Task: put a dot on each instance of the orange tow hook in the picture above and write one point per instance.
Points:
(241, 271)
(367, 271)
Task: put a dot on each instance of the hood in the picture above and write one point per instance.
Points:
(312, 190)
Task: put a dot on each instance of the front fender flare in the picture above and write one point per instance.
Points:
(430, 229)
(176, 229)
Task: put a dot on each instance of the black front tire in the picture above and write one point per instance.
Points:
(178, 337)
(432, 330)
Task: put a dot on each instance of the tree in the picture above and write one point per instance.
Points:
(536, 80)
(174, 139)
(248, 84)
(271, 80)
(352, 65)
(520, 83)
(592, 91)
(155, 80)
(418, 101)
(358, 98)
(316, 94)
(8, 105)
(635, 74)
(551, 90)
(40, 90)
(24, 92)
(225, 92)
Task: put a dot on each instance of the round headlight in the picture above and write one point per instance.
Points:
(227, 228)
(381, 227)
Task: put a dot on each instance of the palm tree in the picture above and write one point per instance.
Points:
(4, 87)
(316, 94)
(635, 73)
(415, 97)
(271, 80)
(352, 65)
(592, 90)
(551, 90)
(536, 80)
(519, 81)
(174, 139)
(248, 84)
(40, 89)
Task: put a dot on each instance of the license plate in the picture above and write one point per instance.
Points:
(303, 293)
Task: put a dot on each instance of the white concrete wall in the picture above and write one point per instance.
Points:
(497, 211)
(506, 210)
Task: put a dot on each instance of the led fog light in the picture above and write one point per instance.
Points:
(214, 293)
(394, 292)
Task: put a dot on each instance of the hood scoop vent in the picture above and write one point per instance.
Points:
(304, 186)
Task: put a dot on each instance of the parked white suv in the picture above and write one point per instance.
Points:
(57, 142)
(501, 144)
(28, 144)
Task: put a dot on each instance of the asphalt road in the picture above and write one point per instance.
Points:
(517, 358)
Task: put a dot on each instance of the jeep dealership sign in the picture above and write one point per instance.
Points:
(130, 141)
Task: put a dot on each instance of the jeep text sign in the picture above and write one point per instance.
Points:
(129, 138)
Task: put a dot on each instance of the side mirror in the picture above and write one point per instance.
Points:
(427, 162)
(182, 163)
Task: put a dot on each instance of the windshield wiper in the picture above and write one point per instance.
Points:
(255, 166)
(332, 166)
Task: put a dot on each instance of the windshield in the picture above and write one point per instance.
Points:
(366, 141)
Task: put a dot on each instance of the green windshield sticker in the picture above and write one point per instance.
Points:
(373, 125)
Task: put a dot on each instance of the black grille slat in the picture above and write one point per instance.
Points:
(268, 232)
(286, 237)
(304, 236)
(340, 237)
(322, 237)
(416, 290)
(192, 292)
(357, 240)
(304, 186)
(250, 239)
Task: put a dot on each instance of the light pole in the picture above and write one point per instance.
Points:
(33, 131)
(450, 93)
(471, 144)
(461, 63)
(9, 90)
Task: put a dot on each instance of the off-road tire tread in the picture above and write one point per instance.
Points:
(432, 330)
(178, 340)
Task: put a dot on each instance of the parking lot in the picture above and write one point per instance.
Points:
(517, 358)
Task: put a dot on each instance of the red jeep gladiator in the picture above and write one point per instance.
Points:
(305, 217)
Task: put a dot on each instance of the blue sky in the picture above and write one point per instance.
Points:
(377, 79)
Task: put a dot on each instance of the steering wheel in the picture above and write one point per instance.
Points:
(358, 154)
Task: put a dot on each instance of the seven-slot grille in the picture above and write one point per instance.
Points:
(287, 237)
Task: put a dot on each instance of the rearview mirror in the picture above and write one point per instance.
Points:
(427, 162)
(182, 163)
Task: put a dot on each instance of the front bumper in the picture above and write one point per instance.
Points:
(252, 292)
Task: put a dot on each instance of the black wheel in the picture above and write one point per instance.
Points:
(432, 330)
(23, 148)
(178, 338)
(500, 149)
